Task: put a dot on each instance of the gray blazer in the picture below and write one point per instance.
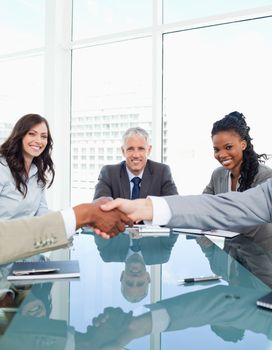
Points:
(219, 184)
(113, 181)
(24, 237)
(220, 176)
(231, 210)
(214, 306)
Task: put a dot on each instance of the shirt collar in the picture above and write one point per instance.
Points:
(131, 176)
(33, 170)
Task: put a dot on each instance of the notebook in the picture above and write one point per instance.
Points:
(217, 233)
(44, 270)
(265, 301)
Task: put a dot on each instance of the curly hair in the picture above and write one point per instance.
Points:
(12, 151)
(236, 122)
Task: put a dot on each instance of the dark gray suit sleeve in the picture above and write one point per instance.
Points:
(231, 210)
(168, 185)
(103, 187)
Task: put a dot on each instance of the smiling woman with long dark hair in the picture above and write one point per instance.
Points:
(26, 168)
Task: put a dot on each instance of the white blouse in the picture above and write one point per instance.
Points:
(12, 203)
(229, 182)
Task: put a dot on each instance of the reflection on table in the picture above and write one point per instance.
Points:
(224, 312)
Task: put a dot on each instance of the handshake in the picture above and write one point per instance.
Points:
(108, 217)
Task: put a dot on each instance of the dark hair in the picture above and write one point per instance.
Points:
(12, 151)
(236, 122)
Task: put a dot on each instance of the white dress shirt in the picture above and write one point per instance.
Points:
(69, 219)
(161, 211)
(229, 182)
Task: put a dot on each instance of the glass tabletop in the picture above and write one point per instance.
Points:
(132, 295)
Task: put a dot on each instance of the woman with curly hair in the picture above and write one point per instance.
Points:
(242, 168)
(25, 164)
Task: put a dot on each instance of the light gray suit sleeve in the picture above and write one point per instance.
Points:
(263, 175)
(29, 236)
(213, 306)
(209, 189)
(231, 210)
(218, 182)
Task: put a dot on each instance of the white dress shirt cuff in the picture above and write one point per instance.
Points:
(161, 211)
(70, 339)
(160, 320)
(69, 219)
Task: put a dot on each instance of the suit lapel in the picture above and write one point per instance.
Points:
(124, 182)
(146, 181)
(225, 183)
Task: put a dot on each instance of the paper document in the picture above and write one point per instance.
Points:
(138, 231)
(265, 301)
(218, 233)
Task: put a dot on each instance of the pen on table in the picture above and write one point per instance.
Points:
(199, 279)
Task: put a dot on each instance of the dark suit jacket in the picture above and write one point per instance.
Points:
(155, 250)
(113, 181)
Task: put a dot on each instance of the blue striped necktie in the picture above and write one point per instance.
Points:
(135, 247)
(136, 188)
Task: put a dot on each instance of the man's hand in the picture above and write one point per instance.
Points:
(110, 223)
(109, 329)
(137, 210)
(114, 329)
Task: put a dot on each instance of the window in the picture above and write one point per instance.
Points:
(98, 17)
(178, 10)
(22, 73)
(216, 70)
(108, 81)
(21, 87)
(22, 25)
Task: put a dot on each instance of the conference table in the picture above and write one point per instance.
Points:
(129, 298)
